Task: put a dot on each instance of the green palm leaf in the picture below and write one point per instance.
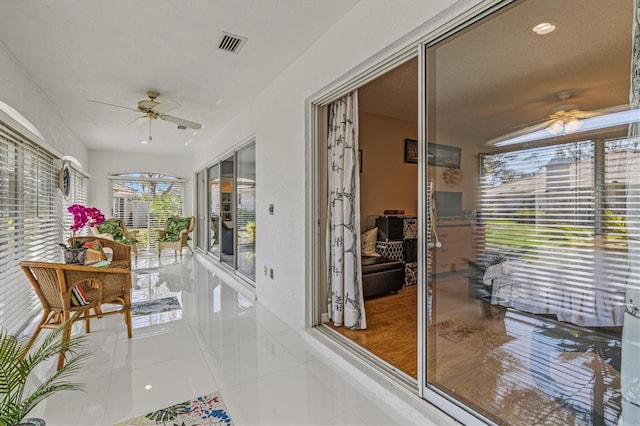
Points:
(15, 401)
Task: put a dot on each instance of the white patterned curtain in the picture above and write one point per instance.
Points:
(346, 302)
(630, 370)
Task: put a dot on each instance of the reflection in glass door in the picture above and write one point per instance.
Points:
(214, 210)
(246, 211)
(531, 218)
(227, 211)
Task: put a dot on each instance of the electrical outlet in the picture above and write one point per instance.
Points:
(271, 273)
(266, 271)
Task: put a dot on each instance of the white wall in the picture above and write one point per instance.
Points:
(277, 118)
(18, 91)
(105, 163)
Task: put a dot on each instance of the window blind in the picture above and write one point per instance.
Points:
(559, 212)
(29, 225)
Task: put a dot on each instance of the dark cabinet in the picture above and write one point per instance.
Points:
(400, 233)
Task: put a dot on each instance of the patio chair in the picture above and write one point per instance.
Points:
(71, 291)
(176, 234)
(115, 229)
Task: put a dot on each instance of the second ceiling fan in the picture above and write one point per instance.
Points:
(563, 119)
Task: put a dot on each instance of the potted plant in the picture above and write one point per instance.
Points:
(482, 290)
(17, 398)
(82, 216)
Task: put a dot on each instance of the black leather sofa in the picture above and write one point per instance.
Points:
(381, 275)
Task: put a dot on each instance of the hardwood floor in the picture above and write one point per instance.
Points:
(517, 369)
(392, 329)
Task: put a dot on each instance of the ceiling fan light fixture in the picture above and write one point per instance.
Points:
(544, 28)
(556, 127)
(143, 141)
(573, 124)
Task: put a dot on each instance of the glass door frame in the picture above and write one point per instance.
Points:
(400, 51)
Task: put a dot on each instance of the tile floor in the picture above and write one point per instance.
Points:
(221, 341)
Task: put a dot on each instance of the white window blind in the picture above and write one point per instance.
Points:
(29, 226)
(145, 201)
(559, 213)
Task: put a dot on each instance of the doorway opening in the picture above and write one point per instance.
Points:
(388, 170)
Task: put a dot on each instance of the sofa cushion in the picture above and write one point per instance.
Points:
(368, 242)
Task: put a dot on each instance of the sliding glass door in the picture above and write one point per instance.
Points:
(214, 210)
(532, 215)
(227, 224)
(201, 196)
(246, 211)
(229, 200)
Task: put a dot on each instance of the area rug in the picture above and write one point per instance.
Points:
(148, 307)
(474, 336)
(204, 410)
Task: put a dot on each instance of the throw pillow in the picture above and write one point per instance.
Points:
(113, 227)
(174, 226)
(368, 242)
(95, 251)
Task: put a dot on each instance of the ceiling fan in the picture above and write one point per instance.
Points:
(563, 119)
(153, 109)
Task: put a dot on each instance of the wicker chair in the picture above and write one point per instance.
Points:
(115, 229)
(176, 234)
(53, 284)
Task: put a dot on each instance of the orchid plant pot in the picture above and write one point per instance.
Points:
(75, 255)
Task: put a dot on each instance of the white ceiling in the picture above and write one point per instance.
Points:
(499, 76)
(114, 51)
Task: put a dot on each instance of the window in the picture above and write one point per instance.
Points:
(145, 201)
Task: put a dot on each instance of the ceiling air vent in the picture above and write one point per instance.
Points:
(231, 43)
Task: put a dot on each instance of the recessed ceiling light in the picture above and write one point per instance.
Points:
(144, 141)
(148, 387)
(544, 28)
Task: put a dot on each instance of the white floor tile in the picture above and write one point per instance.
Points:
(249, 360)
(139, 391)
(70, 408)
(219, 341)
(289, 397)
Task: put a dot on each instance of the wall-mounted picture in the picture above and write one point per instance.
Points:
(444, 156)
(410, 151)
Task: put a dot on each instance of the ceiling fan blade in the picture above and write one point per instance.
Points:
(165, 106)
(181, 121)
(139, 121)
(113, 105)
(520, 132)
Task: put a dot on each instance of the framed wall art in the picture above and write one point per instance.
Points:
(410, 151)
(444, 156)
